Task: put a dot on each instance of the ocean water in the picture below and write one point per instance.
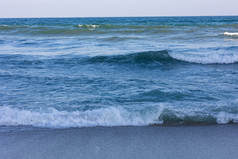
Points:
(77, 72)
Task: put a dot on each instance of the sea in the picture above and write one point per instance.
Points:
(118, 71)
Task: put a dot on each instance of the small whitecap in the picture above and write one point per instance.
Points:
(230, 34)
(93, 26)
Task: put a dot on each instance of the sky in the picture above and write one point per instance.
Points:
(116, 8)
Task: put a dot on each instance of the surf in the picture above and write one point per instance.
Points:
(111, 116)
(230, 34)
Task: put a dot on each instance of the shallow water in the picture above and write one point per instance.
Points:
(74, 72)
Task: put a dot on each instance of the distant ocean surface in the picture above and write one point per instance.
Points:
(137, 71)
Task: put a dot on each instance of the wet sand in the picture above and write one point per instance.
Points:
(165, 142)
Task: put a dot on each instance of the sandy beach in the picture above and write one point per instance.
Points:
(189, 141)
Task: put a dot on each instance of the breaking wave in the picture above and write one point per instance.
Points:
(147, 58)
(167, 57)
(208, 58)
(111, 116)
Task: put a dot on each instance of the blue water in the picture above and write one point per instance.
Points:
(74, 72)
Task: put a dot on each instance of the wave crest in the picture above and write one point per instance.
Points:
(112, 116)
(147, 57)
(208, 58)
(231, 34)
(166, 57)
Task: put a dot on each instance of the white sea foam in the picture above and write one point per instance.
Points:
(112, 116)
(223, 118)
(93, 26)
(89, 26)
(208, 58)
(231, 34)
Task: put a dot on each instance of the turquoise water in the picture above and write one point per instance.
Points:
(74, 72)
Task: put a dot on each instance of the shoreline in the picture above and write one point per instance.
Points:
(27, 128)
(187, 141)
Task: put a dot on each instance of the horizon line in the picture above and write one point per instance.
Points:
(120, 16)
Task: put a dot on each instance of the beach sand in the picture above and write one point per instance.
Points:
(165, 142)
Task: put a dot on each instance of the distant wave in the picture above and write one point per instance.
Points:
(167, 57)
(111, 26)
(112, 116)
(87, 25)
(13, 27)
(70, 30)
(231, 34)
(141, 58)
(147, 58)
